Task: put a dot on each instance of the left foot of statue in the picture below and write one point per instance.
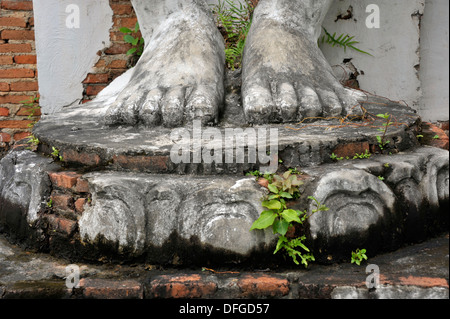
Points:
(179, 77)
(286, 78)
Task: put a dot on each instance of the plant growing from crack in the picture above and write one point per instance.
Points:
(344, 41)
(382, 142)
(365, 155)
(281, 219)
(34, 143)
(234, 21)
(358, 256)
(132, 37)
(56, 154)
(32, 109)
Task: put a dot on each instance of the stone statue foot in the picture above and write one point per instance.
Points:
(286, 78)
(179, 77)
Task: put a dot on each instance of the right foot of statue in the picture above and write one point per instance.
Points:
(285, 77)
(179, 77)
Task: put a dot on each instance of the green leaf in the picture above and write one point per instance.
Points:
(265, 220)
(125, 30)
(135, 41)
(290, 215)
(273, 188)
(131, 51)
(136, 27)
(129, 39)
(286, 195)
(272, 204)
(280, 244)
(280, 226)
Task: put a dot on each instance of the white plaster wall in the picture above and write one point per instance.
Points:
(434, 66)
(391, 72)
(66, 55)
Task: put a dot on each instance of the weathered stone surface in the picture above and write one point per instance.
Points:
(87, 142)
(376, 203)
(380, 202)
(138, 210)
(24, 185)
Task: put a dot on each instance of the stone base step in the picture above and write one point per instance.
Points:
(377, 204)
(415, 272)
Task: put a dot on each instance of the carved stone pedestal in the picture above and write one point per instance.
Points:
(118, 194)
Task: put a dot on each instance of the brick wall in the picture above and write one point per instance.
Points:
(18, 72)
(113, 60)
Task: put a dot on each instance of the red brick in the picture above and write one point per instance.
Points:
(118, 64)
(94, 89)
(5, 60)
(82, 186)
(13, 22)
(350, 149)
(4, 87)
(425, 282)
(254, 286)
(21, 135)
(16, 73)
(183, 286)
(61, 201)
(116, 48)
(62, 225)
(122, 9)
(18, 34)
(125, 22)
(17, 5)
(13, 99)
(29, 111)
(64, 180)
(79, 204)
(111, 289)
(24, 124)
(25, 59)
(96, 78)
(5, 138)
(15, 48)
(88, 159)
(429, 131)
(4, 111)
(24, 86)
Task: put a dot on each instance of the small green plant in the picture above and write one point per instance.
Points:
(335, 158)
(344, 40)
(387, 165)
(365, 155)
(295, 171)
(50, 203)
(281, 219)
(381, 178)
(234, 21)
(56, 154)
(382, 142)
(436, 137)
(32, 109)
(132, 37)
(358, 256)
(34, 143)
